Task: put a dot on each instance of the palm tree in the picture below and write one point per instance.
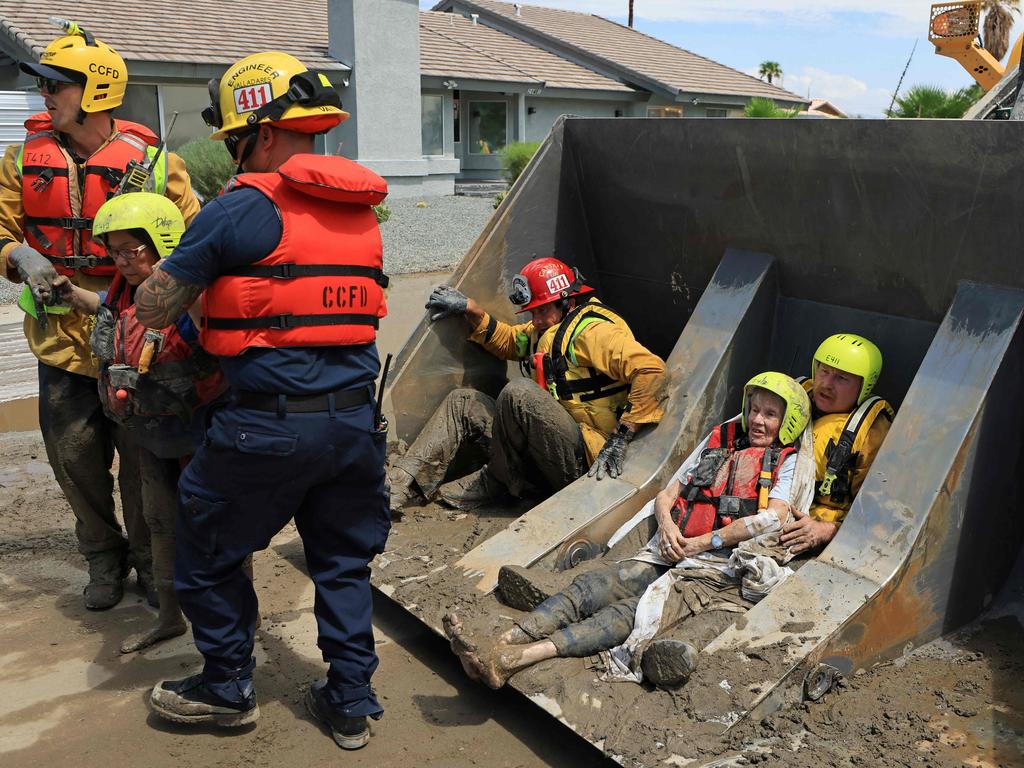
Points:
(631, 14)
(771, 70)
(932, 101)
(997, 25)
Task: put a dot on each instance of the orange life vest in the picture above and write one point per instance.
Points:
(52, 226)
(161, 402)
(324, 283)
(732, 480)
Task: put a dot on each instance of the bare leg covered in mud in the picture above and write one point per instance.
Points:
(494, 666)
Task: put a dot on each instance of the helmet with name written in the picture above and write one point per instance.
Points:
(545, 280)
(852, 354)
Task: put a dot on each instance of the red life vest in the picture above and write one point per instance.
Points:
(180, 379)
(731, 480)
(52, 226)
(324, 283)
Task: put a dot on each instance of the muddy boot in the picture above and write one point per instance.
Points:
(347, 732)
(518, 589)
(105, 589)
(472, 491)
(668, 663)
(192, 701)
(403, 488)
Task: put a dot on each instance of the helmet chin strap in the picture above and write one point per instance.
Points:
(247, 152)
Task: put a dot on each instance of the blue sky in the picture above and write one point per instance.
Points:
(850, 52)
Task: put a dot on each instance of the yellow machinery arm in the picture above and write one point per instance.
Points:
(953, 30)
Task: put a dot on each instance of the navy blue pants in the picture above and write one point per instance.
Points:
(256, 471)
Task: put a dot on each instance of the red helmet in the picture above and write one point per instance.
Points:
(545, 280)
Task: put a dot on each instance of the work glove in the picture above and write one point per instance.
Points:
(446, 301)
(37, 272)
(102, 338)
(609, 460)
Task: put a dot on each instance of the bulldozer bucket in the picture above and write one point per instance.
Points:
(734, 246)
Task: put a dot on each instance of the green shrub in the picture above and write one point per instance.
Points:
(209, 166)
(762, 107)
(498, 198)
(382, 212)
(516, 156)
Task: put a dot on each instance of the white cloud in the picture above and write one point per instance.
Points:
(850, 94)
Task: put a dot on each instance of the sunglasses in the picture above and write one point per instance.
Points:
(231, 141)
(128, 254)
(50, 85)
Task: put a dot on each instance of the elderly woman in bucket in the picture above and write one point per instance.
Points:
(151, 381)
(745, 480)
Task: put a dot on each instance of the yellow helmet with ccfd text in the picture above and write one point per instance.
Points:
(78, 57)
(276, 88)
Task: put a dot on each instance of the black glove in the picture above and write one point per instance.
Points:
(609, 460)
(37, 272)
(446, 301)
(102, 338)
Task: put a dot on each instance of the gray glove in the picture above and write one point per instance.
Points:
(37, 272)
(609, 460)
(446, 301)
(102, 338)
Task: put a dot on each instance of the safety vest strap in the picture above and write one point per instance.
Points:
(597, 386)
(159, 176)
(290, 270)
(853, 433)
(285, 322)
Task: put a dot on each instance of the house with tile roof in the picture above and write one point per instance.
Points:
(433, 94)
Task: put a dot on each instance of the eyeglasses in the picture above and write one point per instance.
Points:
(50, 85)
(127, 254)
(232, 141)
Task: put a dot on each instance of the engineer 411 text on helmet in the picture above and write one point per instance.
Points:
(275, 88)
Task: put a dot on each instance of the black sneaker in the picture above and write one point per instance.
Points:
(668, 663)
(190, 701)
(348, 732)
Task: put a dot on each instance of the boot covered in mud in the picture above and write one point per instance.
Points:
(520, 589)
(194, 701)
(347, 732)
(668, 663)
(402, 488)
(474, 490)
(107, 571)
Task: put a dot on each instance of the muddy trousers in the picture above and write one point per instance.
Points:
(255, 471)
(160, 507)
(595, 612)
(524, 433)
(80, 443)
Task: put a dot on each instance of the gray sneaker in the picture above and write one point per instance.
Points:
(668, 663)
(474, 490)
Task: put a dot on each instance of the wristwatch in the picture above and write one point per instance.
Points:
(716, 541)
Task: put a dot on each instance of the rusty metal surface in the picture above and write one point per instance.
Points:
(873, 224)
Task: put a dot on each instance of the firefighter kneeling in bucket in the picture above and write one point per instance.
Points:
(740, 483)
(153, 382)
(597, 387)
(73, 159)
(289, 263)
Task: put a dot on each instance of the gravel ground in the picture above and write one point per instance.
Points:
(432, 238)
(415, 239)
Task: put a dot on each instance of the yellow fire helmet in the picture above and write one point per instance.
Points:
(798, 404)
(852, 354)
(78, 57)
(276, 88)
(154, 214)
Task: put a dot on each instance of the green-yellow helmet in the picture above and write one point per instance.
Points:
(152, 213)
(852, 354)
(798, 404)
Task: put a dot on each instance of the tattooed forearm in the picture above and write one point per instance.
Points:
(161, 299)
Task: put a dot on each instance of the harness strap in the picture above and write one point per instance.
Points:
(843, 451)
(597, 386)
(290, 271)
(285, 322)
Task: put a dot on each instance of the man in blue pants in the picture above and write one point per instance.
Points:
(289, 265)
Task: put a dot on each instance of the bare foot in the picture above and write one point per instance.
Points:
(152, 637)
(493, 668)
